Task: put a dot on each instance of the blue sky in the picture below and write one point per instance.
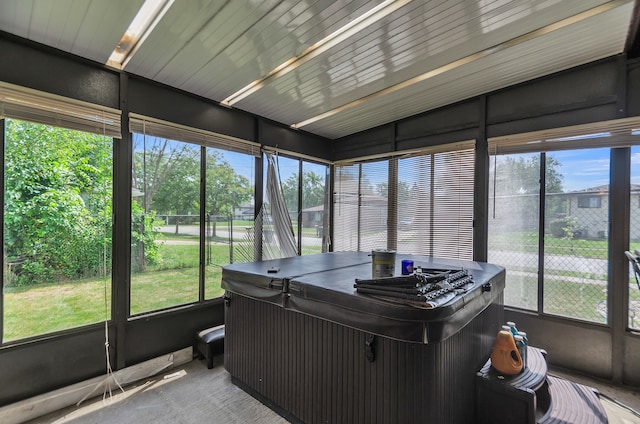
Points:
(590, 167)
(583, 168)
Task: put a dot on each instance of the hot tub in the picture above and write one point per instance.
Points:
(300, 338)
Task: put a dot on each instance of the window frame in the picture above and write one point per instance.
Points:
(589, 202)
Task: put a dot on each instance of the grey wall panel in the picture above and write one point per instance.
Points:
(437, 139)
(449, 119)
(33, 368)
(571, 345)
(633, 88)
(277, 135)
(161, 102)
(48, 364)
(30, 65)
(372, 142)
(160, 333)
(631, 371)
(578, 88)
(555, 120)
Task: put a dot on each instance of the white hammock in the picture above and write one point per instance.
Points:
(273, 223)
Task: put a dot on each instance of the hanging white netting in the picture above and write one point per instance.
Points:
(273, 224)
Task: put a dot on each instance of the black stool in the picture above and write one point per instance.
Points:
(207, 342)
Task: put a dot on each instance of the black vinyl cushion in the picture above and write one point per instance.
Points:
(207, 342)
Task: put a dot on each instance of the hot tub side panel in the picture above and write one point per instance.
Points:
(318, 372)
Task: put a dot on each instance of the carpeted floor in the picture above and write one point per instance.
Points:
(622, 404)
(185, 395)
(193, 394)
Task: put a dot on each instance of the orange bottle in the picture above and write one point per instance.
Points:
(505, 357)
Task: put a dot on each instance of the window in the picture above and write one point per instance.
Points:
(576, 251)
(288, 172)
(435, 204)
(566, 259)
(514, 230)
(229, 211)
(305, 188)
(557, 253)
(314, 215)
(634, 239)
(192, 202)
(361, 206)
(421, 203)
(165, 223)
(57, 176)
(346, 207)
(57, 229)
(589, 202)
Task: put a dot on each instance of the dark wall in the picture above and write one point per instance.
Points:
(282, 137)
(372, 142)
(457, 122)
(41, 365)
(151, 99)
(633, 88)
(52, 71)
(580, 95)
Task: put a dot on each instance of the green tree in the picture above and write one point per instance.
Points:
(313, 190)
(517, 183)
(290, 192)
(517, 174)
(225, 188)
(179, 193)
(57, 202)
(404, 192)
(154, 161)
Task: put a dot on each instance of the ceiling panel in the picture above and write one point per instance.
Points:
(415, 39)
(15, 16)
(102, 27)
(561, 49)
(213, 48)
(90, 29)
(184, 22)
(278, 36)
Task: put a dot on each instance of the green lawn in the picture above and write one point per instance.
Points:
(586, 296)
(30, 311)
(528, 242)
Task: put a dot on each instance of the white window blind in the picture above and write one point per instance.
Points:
(360, 206)
(435, 202)
(374, 205)
(346, 208)
(44, 108)
(155, 127)
(615, 133)
(434, 205)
